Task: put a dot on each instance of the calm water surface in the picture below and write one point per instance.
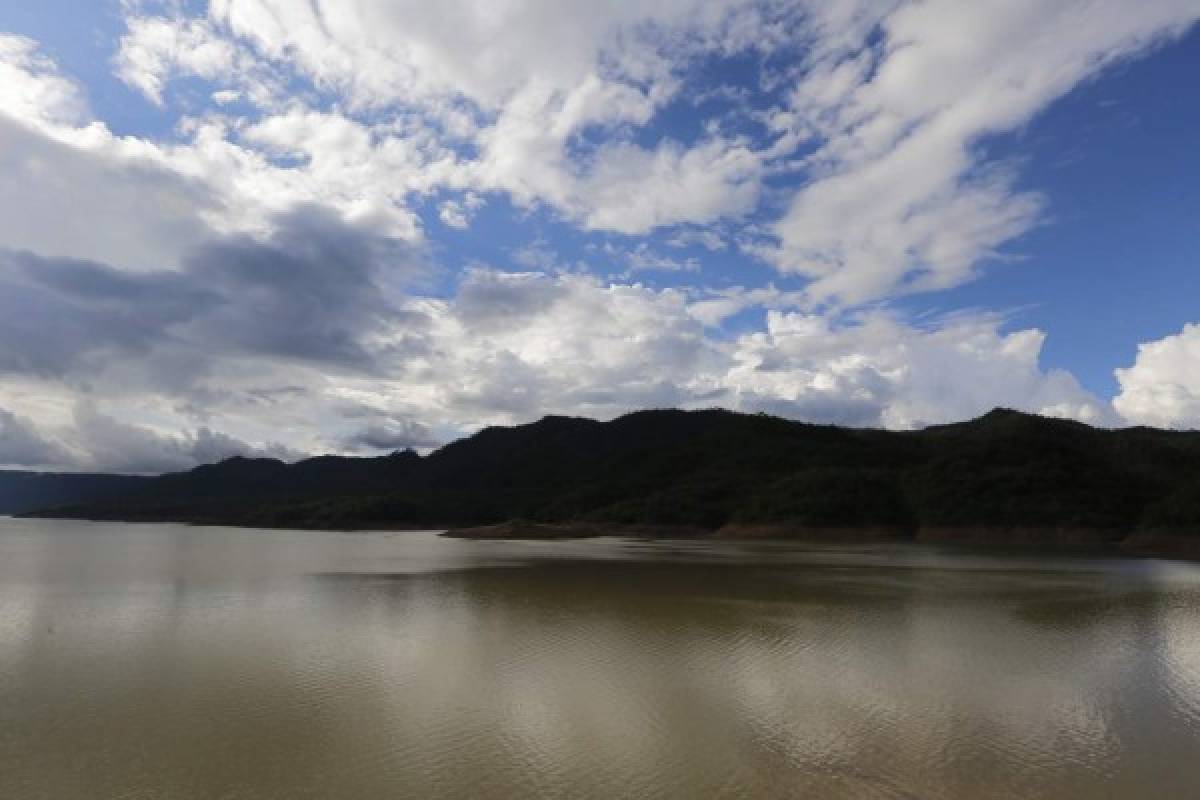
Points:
(159, 661)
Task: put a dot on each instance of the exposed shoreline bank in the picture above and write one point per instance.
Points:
(1142, 543)
(1152, 544)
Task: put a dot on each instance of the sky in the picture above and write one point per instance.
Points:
(288, 227)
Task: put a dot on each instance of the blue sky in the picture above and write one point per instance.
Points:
(1114, 263)
(288, 227)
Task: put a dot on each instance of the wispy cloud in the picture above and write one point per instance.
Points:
(901, 196)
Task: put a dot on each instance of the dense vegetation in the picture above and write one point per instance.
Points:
(715, 470)
(22, 492)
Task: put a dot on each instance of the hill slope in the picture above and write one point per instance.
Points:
(22, 492)
(1005, 477)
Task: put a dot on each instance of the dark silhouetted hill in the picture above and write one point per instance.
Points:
(1006, 477)
(22, 492)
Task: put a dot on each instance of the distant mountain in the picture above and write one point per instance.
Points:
(1006, 477)
(22, 492)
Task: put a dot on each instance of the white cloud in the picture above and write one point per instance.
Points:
(458, 213)
(632, 190)
(716, 305)
(118, 446)
(895, 194)
(900, 195)
(644, 259)
(708, 239)
(1162, 388)
(876, 370)
(509, 347)
(894, 198)
(538, 76)
(215, 295)
(505, 348)
(154, 48)
(140, 203)
(23, 445)
(94, 440)
(125, 205)
(390, 433)
(31, 86)
(60, 199)
(516, 344)
(225, 97)
(378, 53)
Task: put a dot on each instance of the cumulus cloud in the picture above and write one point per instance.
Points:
(876, 370)
(538, 78)
(515, 343)
(511, 346)
(504, 348)
(384, 52)
(458, 213)
(314, 290)
(1162, 387)
(249, 334)
(893, 192)
(95, 440)
(112, 444)
(141, 203)
(23, 445)
(393, 434)
(32, 87)
(155, 48)
(58, 315)
(124, 207)
(263, 272)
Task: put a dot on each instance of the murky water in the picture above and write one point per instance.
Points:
(159, 661)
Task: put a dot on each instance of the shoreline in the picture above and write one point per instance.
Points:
(1137, 543)
(1029, 539)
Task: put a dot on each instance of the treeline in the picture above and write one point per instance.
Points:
(22, 492)
(717, 470)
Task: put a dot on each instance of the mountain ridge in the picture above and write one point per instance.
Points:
(1005, 476)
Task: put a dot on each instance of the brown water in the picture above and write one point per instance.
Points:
(159, 661)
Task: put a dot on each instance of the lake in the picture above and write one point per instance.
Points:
(164, 661)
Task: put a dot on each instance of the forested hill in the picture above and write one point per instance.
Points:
(1009, 475)
(22, 492)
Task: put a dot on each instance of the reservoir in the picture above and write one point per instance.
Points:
(165, 661)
